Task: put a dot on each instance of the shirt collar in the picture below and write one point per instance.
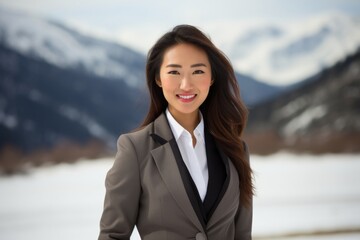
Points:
(178, 130)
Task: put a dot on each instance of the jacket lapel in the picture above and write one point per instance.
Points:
(229, 194)
(218, 168)
(166, 163)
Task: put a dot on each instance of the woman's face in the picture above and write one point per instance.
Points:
(185, 79)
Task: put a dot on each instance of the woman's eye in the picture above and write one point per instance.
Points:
(174, 72)
(198, 71)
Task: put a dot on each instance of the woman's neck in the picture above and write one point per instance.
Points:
(187, 121)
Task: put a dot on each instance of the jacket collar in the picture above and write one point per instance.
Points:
(161, 130)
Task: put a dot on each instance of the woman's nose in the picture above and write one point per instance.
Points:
(186, 83)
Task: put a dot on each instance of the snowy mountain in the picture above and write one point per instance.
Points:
(321, 115)
(277, 54)
(42, 105)
(68, 49)
(59, 45)
(287, 53)
(58, 86)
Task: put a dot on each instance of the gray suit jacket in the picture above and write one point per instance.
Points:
(145, 188)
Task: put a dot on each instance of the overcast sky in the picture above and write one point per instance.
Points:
(140, 23)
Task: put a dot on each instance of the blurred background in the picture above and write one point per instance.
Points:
(72, 80)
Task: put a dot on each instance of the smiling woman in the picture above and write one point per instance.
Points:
(185, 174)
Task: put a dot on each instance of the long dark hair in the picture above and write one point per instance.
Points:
(225, 114)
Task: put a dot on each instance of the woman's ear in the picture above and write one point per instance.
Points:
(158, 82)
(212, 82)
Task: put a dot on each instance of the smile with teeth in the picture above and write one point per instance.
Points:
(186, 96)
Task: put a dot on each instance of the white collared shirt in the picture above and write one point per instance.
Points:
(193, 157)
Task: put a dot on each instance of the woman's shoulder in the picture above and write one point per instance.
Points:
(157, 131)
(138, 142)
(138, 136)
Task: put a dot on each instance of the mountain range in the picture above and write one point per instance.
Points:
(60, 87)
(66, 48)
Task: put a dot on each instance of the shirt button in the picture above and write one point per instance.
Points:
(200, 236)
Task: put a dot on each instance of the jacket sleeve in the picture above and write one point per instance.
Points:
(122, 193)
(243, 223)
(243, 220)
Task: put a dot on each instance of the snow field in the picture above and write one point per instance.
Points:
(296, 196)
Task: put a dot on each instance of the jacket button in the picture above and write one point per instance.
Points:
(200, 236)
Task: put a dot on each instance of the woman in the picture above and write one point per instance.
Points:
(185, 174)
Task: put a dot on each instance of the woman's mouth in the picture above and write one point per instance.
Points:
(186, 98)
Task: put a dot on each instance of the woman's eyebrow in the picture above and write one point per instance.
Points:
(199, 65)
(174, 65)
(179, 66)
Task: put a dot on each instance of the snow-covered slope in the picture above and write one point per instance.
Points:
(287, 53)
(42, 105)
(321, 115)
(63, 47)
